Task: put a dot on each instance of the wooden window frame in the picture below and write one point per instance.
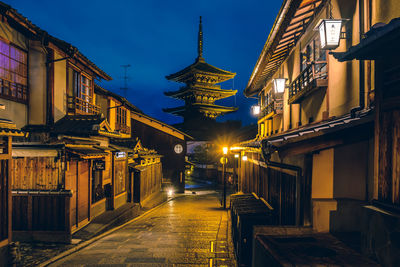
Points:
(11, 87)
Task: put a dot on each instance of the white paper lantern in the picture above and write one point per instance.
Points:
(329, 33)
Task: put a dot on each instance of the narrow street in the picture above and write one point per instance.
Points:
(191, 230)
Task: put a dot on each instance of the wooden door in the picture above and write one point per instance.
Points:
(70, 184)
(83, 191)
(136, 187)
(4, 200)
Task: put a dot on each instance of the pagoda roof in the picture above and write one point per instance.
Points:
(201, 67)
(201, 90)
(180, 111)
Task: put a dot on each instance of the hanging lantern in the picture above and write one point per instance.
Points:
(329, 33)
(256, 110)
(279, 85)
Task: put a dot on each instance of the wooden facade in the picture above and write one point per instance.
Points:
(163, 139)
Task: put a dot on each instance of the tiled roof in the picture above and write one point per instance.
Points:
(23, 24)
(381, 35)
(100, 90)
(200, 66)
(78, 124)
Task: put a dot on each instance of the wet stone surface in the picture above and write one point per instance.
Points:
(187, 231)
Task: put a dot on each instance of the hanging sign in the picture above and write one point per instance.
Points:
(99, 165)
(178, 148)
(120, 155)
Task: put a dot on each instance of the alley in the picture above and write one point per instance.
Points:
(190, 230)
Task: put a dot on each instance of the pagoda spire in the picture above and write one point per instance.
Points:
(200, 42)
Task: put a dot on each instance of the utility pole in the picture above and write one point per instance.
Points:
(125, 88)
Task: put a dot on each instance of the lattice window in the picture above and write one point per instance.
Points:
(13, 73)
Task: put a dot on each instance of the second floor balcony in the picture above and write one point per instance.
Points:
(312, 78)
(273, 108)
(122, 128)
(76, 105)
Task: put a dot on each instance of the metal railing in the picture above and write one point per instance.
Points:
(308, 79)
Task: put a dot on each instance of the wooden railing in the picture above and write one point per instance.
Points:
(275, 106)
(80, 106)
(122, 128)
(313, 77)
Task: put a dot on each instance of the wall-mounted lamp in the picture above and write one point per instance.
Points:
(255, 110)
(279, 85)
(244, 158)
(330, 31)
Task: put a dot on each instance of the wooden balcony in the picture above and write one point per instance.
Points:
(273, 108)
(77, 105)
(314, 77)
(122, 128)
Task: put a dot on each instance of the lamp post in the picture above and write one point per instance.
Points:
(225, 151)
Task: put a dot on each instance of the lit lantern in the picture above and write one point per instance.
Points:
(244, 158)
(329, 33)
(237, 156)
(256, 110)
(279, 85)
(225, 150)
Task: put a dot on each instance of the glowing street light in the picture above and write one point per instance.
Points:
(256, 110)
(244, 158)
(237, 156)
(225, 150)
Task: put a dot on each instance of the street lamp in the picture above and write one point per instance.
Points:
(329, 33)
(224, 160)
(279, 85)
(256, 110)
(244, 158)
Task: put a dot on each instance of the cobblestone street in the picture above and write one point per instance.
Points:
(191, 230)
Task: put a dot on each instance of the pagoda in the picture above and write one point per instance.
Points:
(200, 93)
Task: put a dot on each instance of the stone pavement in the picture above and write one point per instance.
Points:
(188, 231)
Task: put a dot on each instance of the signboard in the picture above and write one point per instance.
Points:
(99, 165)
(120, 155)
(178, 148)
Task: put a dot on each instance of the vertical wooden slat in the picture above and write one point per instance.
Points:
(396, 157)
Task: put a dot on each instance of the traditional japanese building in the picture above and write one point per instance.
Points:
(200, 93)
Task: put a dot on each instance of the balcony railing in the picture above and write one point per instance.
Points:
(80, 106)
(122, 128)
(315, 76)
(273, 108)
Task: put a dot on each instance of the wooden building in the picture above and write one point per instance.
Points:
(168, 142)
(200, 93)
(7, 131)
(380, 229)
(72, 166)
(313, 157)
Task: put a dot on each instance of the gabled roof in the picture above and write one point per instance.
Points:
(201, 67)
(100, 90)
(290, 24)
(375, 44)
(21, 23)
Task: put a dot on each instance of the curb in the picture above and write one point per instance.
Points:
(94, 239)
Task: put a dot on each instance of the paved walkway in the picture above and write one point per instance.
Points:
(188, 231)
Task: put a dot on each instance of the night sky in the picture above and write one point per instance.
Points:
(158, 38)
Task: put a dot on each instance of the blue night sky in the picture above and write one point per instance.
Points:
(158, 38)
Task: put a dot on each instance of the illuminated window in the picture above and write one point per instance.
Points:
(13, 73)
(81, 97)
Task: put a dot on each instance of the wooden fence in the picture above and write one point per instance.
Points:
(41, 215)
(275, 185)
